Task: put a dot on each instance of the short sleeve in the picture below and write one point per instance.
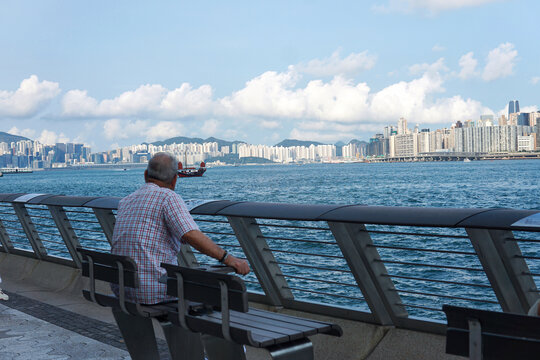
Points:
(177, 217)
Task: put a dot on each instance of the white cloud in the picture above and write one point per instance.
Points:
(500, 62)
(31, 97)
(144, 102)
(28, 133)
(164, 130)
(535, 80)
(431, 6)
(49, 137)
(114, 129)
(438, 47)
(334, 65)
(210, 127)
(467, 64)
(268, 124)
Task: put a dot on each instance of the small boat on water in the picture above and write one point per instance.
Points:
(466, 160)
(191, 171)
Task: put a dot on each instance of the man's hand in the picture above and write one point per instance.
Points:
(240, 266)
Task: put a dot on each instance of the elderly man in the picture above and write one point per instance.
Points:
(151, 225)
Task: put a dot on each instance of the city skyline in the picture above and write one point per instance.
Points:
(309, 71)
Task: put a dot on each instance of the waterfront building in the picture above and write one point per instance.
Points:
(402, 126)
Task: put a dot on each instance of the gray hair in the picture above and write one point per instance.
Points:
(162, 166)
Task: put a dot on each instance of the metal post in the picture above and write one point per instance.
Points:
(501, 270)
(29, 229)
(186, 257)
(66, 230)
(475, 340)
(107, 220)
(4, 238)
(262, 260)
(369, 272)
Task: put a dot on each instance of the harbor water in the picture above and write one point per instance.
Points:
(482, 184)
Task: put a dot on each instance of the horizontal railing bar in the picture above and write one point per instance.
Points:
(90, 239)
(319, 280)
(83, 221)
(218, 233)
(21, 243)
(7, 213)
(230, 245)
(16, 235)
(2, 205)
(295, 227)
(17, 221)
(419, 307)
(53, 242)
(443, 296)
(40, 217)
(79, 212)
(436, 280)
(322, 293)
(527, 257)
(298, 240)
(530, 273)
(426, 250)
(210, 221)
(522, 240)
(309, 266)
(429, 265)
(415, 234)
(12, 228)
(48, 233)
(307, 254)
(36, 208)
(45, 225)
(93, 248)
(89, 230)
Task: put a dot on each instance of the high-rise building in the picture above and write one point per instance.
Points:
(402, 126)
(513, 107)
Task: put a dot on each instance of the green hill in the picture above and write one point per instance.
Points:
(5, 137)
(294, 142)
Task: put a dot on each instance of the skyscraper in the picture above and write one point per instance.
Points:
(513, 107)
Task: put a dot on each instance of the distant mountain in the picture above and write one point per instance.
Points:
(340, 144)
(294, 142)
(358, 142)
(188, 140)
(5, 137)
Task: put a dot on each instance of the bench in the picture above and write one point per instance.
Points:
(483, 334)
(212, 309)
(225, 314)
(135, 320)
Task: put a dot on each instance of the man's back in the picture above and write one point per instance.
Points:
(149, 226)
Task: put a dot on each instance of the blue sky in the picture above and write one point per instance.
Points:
(113, 73)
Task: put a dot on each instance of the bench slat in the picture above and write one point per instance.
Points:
(494, 322)
(110, 274)
(494, 346)
(322, 327)
(251, 323)
(203, 286)
(268, 323)
(112, 301)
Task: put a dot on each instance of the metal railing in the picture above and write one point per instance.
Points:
(384, 265)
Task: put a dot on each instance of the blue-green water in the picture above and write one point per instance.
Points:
(510, 184)
(514, 184)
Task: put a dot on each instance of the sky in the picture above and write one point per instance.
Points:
(116, 73)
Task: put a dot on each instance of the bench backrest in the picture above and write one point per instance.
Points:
(204, 287)
(503, 335)
(106, 267)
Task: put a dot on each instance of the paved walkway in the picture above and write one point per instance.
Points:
(30, 329)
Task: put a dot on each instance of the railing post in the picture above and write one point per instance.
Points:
(29, 229)
(106, 220)
(4, 238)
(186, 257)
(505, 268)
(369, 272)
(261, 259)
(66, 230)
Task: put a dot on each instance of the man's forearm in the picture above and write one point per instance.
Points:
(203, 244)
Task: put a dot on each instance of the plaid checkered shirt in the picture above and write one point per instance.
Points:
(149, 227)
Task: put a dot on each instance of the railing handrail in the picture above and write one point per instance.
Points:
(337, 254)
